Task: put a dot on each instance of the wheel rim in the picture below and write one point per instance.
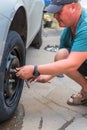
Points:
(11, 82)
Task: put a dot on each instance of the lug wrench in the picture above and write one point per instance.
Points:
(14, 71)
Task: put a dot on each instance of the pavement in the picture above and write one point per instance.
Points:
(45, 104)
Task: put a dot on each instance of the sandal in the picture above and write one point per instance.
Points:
(78, 100)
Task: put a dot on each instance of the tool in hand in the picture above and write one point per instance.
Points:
(26, 81)
(14, 71)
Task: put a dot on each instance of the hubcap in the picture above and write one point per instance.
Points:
(11, 80)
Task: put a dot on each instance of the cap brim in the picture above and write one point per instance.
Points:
(53, 8)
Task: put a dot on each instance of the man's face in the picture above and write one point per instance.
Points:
(65, 17)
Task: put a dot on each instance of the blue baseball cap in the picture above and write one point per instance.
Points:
(56, 5)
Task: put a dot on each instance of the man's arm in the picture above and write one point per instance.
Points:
(74, 60)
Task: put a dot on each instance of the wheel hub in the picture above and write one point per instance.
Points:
(10, 78)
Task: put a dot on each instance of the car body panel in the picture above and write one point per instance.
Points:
(8, 9)
(4, 27)
(34, 15)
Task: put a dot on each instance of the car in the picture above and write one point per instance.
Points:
(20, 27)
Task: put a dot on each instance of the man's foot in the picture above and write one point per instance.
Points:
(79, 99)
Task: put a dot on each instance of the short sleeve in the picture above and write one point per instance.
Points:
(80, 41)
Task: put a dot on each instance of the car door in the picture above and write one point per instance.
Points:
(34, 16)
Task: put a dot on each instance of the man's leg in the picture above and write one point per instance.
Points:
(82, 81)
(61, 54)
(79, 78)
(75, 75)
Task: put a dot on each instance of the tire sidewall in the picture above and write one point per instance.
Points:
(13, 40)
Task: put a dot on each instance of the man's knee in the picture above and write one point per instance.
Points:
(61, 54)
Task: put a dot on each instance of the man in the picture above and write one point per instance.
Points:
(71, 59)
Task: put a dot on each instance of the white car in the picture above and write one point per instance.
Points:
(20, 26)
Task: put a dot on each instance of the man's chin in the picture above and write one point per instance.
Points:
(61, 24)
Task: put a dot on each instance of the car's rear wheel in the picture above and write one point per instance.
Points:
(10, 85)
(37, 42)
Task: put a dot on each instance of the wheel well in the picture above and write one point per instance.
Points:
(19, 23)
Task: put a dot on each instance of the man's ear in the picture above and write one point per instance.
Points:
(73, 7)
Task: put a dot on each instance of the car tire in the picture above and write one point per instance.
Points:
(37, 42)
(10, 85)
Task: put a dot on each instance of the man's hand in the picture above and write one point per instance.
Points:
(25, 72)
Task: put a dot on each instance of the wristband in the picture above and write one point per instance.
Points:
(35, 72)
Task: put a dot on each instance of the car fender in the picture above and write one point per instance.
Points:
(9, 9)
(6, 17)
